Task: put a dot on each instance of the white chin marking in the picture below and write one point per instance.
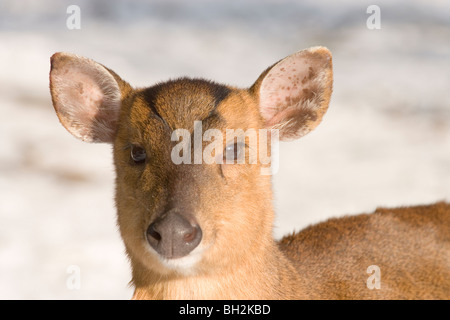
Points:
(183, 265)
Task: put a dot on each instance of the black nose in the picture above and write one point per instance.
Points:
(173, 236)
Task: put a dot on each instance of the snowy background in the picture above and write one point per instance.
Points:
(385, 140)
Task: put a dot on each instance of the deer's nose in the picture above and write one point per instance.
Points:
(173, 236)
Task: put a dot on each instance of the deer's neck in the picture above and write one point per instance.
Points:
(269, 277)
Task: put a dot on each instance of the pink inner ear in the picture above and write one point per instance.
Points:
(89, 91)
(86, 97)
(295, 92)
(285, 86)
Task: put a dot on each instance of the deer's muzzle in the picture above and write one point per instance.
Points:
(173, 236)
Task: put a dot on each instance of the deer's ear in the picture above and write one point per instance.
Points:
(294, 93)
(86, 96)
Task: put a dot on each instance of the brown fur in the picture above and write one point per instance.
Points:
(410, 245)
(239, 259)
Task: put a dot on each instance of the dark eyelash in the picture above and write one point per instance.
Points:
(127, 146)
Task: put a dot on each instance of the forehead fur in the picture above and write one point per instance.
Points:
(181, 102)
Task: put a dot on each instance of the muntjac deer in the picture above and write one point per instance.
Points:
(196, 216)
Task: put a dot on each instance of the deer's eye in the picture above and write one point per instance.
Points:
(138, 154)
(234, 152)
